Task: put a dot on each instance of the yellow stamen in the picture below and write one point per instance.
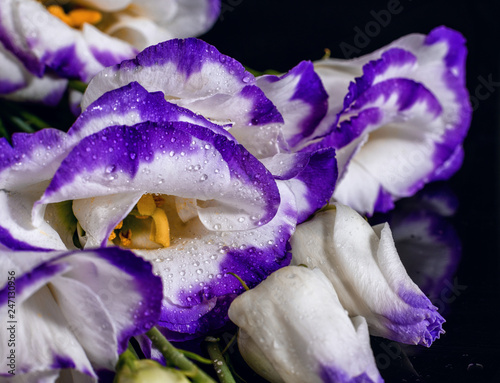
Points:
(149, 206)
(113, 234)
(77, 17)
(82, 16)
(58, 12)
(146, 205)
(126, 238)
(160, 230)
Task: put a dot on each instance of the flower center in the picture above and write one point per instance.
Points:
(76, 17)
(148, 214)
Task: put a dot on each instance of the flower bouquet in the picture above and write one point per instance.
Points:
(192, 203)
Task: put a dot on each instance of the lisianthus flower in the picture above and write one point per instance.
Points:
(70, 314)
(294, 329)
(46, 42)
(403, 119)
(195, 75)
(139, 172)
(364, 267)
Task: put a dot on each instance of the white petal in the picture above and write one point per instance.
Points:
(18, 232)
(100, 215)
(299, 325)
(41, 326)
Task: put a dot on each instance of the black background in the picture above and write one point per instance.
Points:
(267, 34)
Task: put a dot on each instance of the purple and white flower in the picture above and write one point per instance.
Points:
(72, 313)
(140, 172)
(270, 116)
(401, 121)
(294, 329)
(43, 44)
(364, 267)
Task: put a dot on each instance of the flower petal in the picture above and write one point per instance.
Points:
(140, 32)
(296, 321)
(13, 75)
(364, 267)
(239, 191)
(300, 98)
(192, 17)
(361, 191)
(39, 322)
(108, 5)
(130, 105)
(195, 75)
(16, 228)
(42, 326)
(32, 158)
(417, 85)
(42, 41)
(60, 298)
(106, 50)
(47, 90)
(125, 286)
(310, 175)
(196, 283)
(100, 215)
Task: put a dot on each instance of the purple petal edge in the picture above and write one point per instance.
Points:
(10, 242)
(149, 286)
(334, 374)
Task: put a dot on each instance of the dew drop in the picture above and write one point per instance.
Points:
(110, 168)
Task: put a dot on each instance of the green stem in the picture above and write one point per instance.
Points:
(27, 116)
(195, 357)
(21, 125)
(241, 281)
(221, 368)
(175, 357)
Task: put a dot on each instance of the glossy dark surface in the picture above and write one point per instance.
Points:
(277, 35)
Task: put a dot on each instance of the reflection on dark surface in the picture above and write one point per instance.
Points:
(427, 242)
(430, 249)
